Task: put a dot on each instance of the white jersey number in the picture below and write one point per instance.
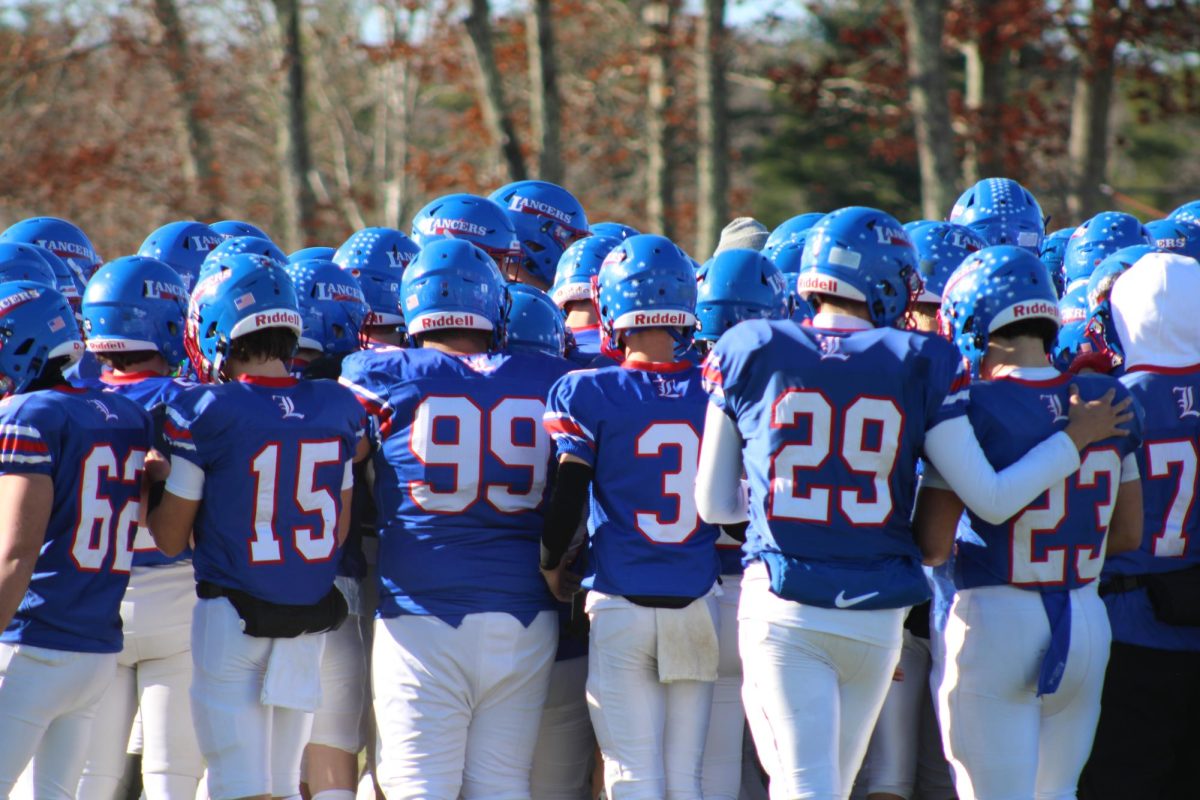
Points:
(265, 547)
(1051, 568)
(870, 441)
(680, 484)
(1161, 457)
(512, 432)
(95, 533)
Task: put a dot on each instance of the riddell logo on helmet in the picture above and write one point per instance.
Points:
(277, 318)
(105, 345)
(529, 205)
(1040, 307)
(448, 321)
(653, 318)
(817, 283)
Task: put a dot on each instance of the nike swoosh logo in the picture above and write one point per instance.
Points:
(841, 601)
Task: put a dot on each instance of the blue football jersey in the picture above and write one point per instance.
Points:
(93, 446)
(154, 393)
(460, 478)
(833, 423)
(274, 452)
(638, 426)
(1170, 481)
(1057, 542)
(587, 345)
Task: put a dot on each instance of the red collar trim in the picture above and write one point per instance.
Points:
(579, 328)
(654, 366)
(1062, 378)
(114, 379)
(66, 388)
(271, 383)
(1164, 370)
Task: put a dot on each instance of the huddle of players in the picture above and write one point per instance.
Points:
(628, 464)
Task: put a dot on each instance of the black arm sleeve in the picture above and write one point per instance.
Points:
(567, 504)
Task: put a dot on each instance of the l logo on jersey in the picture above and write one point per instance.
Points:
(831, 347)
(103, 409)
(668, 389)
(287, 405)
(1186, 400)
(1054, 403)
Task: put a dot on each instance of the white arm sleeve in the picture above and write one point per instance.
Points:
(994, 496)
(720, 498)
(1129, 469)
(186, 479)
(348, 476)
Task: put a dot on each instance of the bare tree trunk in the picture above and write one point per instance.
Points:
(658, 18)
(986, 75)
(200, 161)
(297, 187)
(1087, 148)
(491, 89)
(923, 24)
(712, 167)
(544, 101)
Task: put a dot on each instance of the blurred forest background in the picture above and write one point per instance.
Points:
(316, 117)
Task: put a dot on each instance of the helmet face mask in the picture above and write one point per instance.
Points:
(546, 218)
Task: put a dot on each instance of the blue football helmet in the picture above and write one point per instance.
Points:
(1072, 340)
(1176, 236)
(547, 219)
(787, 258)
(533, 323)
(309, 253)
(332, 306)
(244, 293)
(1001, 211)
(235, 227)
(475, 219)
(183, 245)
(861, 254)
(1053, 253)
(614, 230)
(37, 326)
(994, 287)
(65, 239)
(453, 285)
(136, 304)
(1188, 212)
(738, 285)
(791, 230)
(1072, 307)
(237, 245)
(1098, 238)
(69, 282)
(579, 264)
(377, 257)
(1099, 288)
(941, 247)
(646, 282)
(21, 262)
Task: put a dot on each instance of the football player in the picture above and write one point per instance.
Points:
(1094, 240)
(733, 286)
(572, 292)
(1002, 211)
(1022, 655)
(133, 318)
(828, 421)
(479, 220)
(261, 472)
(628, 437)
(465, 632)
(377, 257)
(547, 219)
(184, 245)
(71, 464)
(1148, 720)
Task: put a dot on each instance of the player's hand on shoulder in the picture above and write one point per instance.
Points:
(1091, 421)
(157, 467)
